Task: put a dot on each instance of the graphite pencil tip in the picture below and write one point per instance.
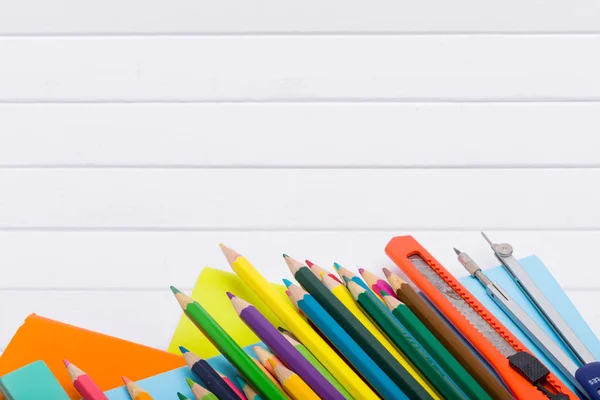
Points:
(287, 282)
(230, 295)
(126, 380)
(285, 255)
(386, 271)
(183, 350)
(457, 251)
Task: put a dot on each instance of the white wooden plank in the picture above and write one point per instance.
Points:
(300, 68)
(100, 260)
(336, 134)
(146, 317)
(299, 199)
(228, 16)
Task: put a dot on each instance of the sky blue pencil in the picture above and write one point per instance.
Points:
(364, 365)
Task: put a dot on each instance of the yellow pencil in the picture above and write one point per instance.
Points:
(292, 383)
(299, 327)
(344, 296)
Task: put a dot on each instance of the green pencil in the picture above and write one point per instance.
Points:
(444, 358)
(182, 396)
(405, 342)
(311, 359)
(395, 371)
(227, 346)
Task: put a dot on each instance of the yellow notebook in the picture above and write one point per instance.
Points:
(209, 291)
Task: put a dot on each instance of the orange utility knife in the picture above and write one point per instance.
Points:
(525, 376)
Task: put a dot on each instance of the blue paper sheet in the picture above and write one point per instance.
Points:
(546, 282)
(166, 385)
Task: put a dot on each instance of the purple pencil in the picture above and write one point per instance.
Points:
(284, 349)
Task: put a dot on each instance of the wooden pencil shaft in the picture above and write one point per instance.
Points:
(437, 350)
(406, 343)
(213, 380)
(452, 342)
(301, 329)
(230, 350)
(361, 335)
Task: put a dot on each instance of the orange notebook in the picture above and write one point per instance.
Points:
(104, 358)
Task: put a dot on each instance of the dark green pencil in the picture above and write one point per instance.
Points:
(444, 358)
(405, 342)
(396, 372)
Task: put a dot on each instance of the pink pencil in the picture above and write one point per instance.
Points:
(232, 386)
(84, 384)
(376, 283)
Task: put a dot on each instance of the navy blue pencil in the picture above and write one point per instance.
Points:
(208, 375)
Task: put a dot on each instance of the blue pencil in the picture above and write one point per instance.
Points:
(345, 344)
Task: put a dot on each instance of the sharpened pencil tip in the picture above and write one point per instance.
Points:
(272, 362)
(457, 251)
(182, 396)
(309, 263)
(190, 382)
(361, 270)
(346, 280)
(386, 271)
(174, 290)
(287, 282)
(383, 293)
(183, 350)
(230, 295)
(336, 266)
(126, 380)
(285, 255)
(66, 362)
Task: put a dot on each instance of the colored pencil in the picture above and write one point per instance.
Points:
(299, 327)
(293, 384)
(264, 356)
(287, 353)
(82, 382)
(376, 283)
(343, 295)
(437, 350)
(207, 374)
(446, 335)
(342, 271)
(182, 396)
(406, 343)
(318, 271)
(232, 385)
(354, 353)
(311, 359)
(395, 370)
(248, 390)
(267, 373)
(199, 392)
(135, 391)
(227, 346)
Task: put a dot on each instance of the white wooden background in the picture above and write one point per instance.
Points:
(135, 136)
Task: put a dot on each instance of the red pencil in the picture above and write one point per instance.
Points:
(84, 384)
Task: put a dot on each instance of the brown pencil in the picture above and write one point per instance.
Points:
(440, 329)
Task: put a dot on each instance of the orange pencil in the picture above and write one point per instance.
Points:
(84, 384)
(135, 391)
